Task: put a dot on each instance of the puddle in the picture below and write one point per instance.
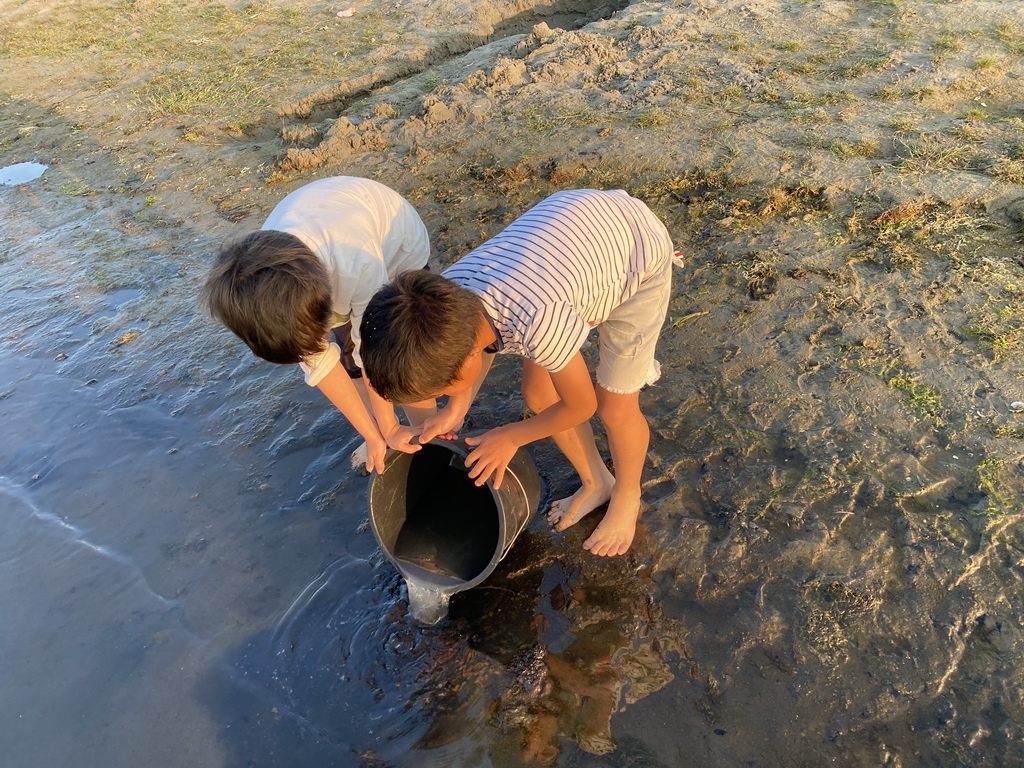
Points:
(21, 173)
(80, 332)
(121, 296)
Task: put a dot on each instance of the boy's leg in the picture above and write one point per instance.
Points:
(579, 448)
(628, 341)
(417, 413)
(628, 438)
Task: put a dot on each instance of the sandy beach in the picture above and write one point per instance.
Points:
(829, 566)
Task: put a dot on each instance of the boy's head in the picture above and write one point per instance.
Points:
(273, 292)
(417, 332)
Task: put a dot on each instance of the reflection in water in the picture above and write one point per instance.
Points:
(547, 650)
(121, 296)
(587, 640)
(21, 173)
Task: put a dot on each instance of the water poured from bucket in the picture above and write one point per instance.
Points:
(426, 604)
(442, 532)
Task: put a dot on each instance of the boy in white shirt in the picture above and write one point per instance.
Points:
(321, 254)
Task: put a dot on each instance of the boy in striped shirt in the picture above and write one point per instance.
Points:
(578, 260)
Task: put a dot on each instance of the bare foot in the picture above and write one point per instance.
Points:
(358, 459)
(615, 533)
(567, 512)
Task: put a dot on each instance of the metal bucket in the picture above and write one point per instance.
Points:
(443, 533)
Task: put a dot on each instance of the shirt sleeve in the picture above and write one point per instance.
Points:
(554, 335)
(413, 251)
(316, 367)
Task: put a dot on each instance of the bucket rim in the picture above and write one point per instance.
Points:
(409, 570)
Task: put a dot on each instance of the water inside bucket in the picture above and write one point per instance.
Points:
(451, 525)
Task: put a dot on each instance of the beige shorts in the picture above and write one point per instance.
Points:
(630, 333)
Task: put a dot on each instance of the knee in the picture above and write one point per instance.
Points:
(618, 409)
(535, 396)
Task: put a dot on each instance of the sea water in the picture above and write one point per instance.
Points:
(427, 604)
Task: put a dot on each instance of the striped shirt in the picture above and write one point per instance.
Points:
(561, 269)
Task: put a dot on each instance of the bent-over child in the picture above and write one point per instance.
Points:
(578, 260)
(319, 257)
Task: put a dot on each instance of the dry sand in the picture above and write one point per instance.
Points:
(831, 556)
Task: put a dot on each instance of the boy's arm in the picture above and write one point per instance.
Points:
(395, 435)
(449, 419)
(340, 390)
(577, 402)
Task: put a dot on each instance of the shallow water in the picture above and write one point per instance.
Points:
(21, 173)
(189, 573)
(154, 605)
(173, 590)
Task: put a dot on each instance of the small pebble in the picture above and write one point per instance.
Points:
(1016, 406)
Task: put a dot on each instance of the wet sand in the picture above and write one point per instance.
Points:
(829, 565)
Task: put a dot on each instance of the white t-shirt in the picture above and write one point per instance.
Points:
(365, 234)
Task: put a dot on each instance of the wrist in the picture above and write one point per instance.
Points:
(393, 437)
(516, 433)
(373, 437)
(511, 433)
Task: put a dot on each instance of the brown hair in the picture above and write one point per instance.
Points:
(417, 331)
(273, 292)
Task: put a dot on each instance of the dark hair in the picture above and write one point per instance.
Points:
(274, 293)
(417, 331)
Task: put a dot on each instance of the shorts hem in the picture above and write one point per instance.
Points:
(652, 376)
(616, 391)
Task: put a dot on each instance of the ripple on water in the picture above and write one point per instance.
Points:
(24, 538)
(33, 536)
(349, 660)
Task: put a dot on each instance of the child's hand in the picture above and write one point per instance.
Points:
(444, 424)
(403, 439)
(376, 450)
(494, 450)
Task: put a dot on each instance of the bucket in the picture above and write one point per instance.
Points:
(443, 533)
